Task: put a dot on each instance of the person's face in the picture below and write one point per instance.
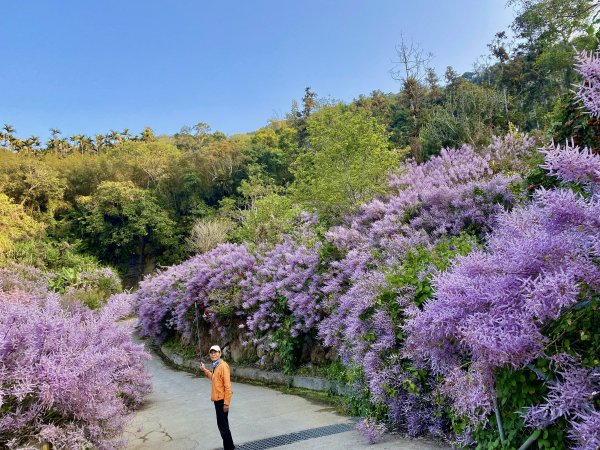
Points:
(214, 355)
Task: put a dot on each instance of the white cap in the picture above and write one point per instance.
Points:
(215, 347)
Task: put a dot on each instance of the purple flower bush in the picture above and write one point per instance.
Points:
(71, 378)
(157, 297)
(370, 430)
(492, 307)
(571, 396)
(97, 283)
(388, 262)
(18, 277)
(204, 291)
(588, 65)
(572, 164)
(214, 289)
(284, 285)
(454, 192)
(436, 295)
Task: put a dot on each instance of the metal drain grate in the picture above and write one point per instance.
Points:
(284, 439)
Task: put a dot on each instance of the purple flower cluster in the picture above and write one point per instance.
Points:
(370, 430)
(571, 396)
(490, 308)
(445, 195)
(215, 288)
(158, 296)
(18, 277)
(204, 290)
(285, 283)
(261, 289)
(452, 193)
(512, 152)
(232, 286)
(70, 378)
(588, 65)
(573, 165)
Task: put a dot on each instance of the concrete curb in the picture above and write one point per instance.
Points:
(251, 373)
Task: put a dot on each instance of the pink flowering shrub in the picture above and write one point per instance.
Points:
(71, 378)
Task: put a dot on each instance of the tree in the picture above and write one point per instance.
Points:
(221, 162)
(7, 136)
(468, 114)
(78, 141)
(31, 144)
(201, 137)
(411, 70)
(378, 105)
(15, 224)
(56, 144)
(299, 118)
(147, 135)
(539, 68)
(121, 220)
(34, 185)
(541, 23)
(145, 163)
(347, 164)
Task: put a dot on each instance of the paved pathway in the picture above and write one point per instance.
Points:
(179, 415)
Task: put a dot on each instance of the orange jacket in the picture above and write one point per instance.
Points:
(221, 383)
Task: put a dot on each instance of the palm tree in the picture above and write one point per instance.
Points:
(147, 135)
(77, 139)
(87, 144)
(58, 145)
(115, 137)
(63, 145)
(31, 144)
(8, 137)
(98, 142)
(18, 145)
(52, 143)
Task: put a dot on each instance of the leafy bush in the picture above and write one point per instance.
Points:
(15, 225)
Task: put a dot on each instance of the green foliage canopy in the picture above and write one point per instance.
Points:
(121, 220)
(346, 164)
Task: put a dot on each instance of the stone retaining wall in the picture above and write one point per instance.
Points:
(254, 374)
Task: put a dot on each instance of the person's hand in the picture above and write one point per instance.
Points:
(225, 408)
(202, 367)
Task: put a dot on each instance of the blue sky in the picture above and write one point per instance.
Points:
(91, 66)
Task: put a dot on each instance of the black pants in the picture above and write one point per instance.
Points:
(223, 424)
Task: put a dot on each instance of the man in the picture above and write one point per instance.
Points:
(221, 393)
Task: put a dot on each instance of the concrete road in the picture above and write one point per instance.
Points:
(179, 415)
